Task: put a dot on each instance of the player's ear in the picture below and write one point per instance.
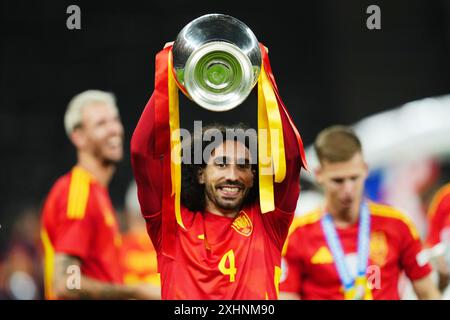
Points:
(366, 169)
(78, 138)
(318, 172)
(201, 176)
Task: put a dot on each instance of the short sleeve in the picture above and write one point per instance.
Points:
(73, 234)
(411, 247)
(439, 214)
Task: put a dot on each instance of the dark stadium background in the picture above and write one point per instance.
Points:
(329, 67)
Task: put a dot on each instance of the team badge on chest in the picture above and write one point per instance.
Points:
(242, 224)
(378, 248)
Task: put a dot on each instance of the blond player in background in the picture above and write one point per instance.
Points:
(79, 228)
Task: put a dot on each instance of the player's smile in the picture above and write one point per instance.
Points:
(114, 142)
(228, 178)
(229, 191)
(103, 132)
(114, 146)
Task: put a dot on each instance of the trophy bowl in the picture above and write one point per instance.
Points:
(216, 61)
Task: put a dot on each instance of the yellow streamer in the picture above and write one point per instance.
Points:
(275, 127)
(271, 153)
(175, 144)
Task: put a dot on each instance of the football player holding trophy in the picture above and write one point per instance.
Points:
(218, 225)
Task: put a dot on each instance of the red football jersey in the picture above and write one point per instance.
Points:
(78, 219)
(216, 257)
(309, 269)
(439, 217)
(224, 258)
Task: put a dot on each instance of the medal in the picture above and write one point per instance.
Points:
(354, 288)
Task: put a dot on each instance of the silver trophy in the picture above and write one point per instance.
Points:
(217, 61)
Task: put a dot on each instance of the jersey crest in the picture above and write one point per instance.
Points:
(242, 224)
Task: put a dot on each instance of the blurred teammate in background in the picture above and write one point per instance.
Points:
(351, 248)
(80, 232)
(439, 233)
(139, 255)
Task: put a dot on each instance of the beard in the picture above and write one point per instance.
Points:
(106, 159)
(223, 203)
(110, 162)
(228, 205)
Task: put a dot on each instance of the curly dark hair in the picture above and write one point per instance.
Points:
(192, 192)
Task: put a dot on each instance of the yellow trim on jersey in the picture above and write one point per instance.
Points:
(78, 193)
(49, 264)
(389, 212)
(442, 192)
(300, 221)
(304, 220)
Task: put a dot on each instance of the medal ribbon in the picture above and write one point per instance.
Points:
(337, 251)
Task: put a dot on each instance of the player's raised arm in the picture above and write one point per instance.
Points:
(287, 192)
(146, 166)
